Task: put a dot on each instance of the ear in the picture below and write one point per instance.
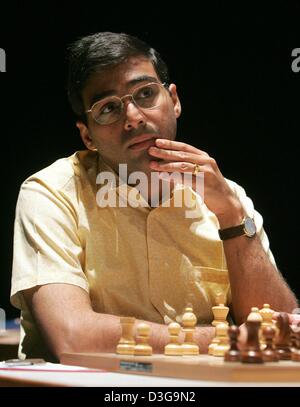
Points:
(175, 99)
(85, 136)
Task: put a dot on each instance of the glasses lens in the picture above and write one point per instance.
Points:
(148, 96)
(107, 111)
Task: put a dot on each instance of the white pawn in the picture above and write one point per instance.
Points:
(222, 346)
(174, 348)
(267, 314)
(127, 342)
(212, 345)
(189, 320)
(254, 315)
(143, 333)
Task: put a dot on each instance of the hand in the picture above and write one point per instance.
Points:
(182, 157)
(294, 319)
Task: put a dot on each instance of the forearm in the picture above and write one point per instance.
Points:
(104, 332)
(253, 278)
(78, 328)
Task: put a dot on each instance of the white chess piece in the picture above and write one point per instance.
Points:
(189, 320)
(174, 347)
(142, 348)
(126, 343)
(220, 311)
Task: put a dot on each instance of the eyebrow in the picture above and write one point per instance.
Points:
(101, 95)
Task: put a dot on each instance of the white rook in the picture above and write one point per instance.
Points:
(2, 320)
(2, 60)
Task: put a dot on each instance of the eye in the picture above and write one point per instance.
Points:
(109, 107)
(144, 93)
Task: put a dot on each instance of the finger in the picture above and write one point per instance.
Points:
(178, 145)
(175, 155)
(174, 167)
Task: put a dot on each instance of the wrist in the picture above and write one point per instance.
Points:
(232, 217)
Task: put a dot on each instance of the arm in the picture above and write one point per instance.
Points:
(254, 279)
(65, 317)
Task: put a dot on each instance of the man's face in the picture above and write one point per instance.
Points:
(123, 142)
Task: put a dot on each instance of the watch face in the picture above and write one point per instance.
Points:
(250, 228)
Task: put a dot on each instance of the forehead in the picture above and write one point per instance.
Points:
(118, 79)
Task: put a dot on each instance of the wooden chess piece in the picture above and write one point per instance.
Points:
(282, 342)
(233, 354)
(142, 348)
(222, 346)
(220, 310)
(295, 336)
(188, 322)
(126, 343)
(212, 345)
(269, 353)
(267, 314)
(251, 352)
(174, 347)
(255, 315)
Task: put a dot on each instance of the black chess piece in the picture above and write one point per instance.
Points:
(269, 353)
(251, 352)
(233, 354)
(295, 336)
(283, 341)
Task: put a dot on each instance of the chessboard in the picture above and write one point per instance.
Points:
(201, 367)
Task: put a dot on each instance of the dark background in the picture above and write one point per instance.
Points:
(232, 66)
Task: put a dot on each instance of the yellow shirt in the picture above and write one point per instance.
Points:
(143, 262)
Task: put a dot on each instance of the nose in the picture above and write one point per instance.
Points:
(133, 117)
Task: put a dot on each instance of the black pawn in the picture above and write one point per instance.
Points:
(233, 354)
(284, 337)
(269, 353)
(252, 353)
(296, 344)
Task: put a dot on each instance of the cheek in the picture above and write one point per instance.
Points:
(108, 142)
(169, 122)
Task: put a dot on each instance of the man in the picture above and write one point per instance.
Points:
(79, 264)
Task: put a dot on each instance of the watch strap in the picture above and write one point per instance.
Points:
(231, 232)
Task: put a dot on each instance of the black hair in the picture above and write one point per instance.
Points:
(95, 52)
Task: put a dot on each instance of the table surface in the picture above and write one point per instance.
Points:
(50, 374)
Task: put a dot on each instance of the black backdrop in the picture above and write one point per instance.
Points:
(232, 66)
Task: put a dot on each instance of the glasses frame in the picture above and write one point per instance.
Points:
(129, 95)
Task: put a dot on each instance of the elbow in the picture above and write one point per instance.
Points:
(63, 339)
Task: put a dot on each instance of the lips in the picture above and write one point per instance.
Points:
(142, 142)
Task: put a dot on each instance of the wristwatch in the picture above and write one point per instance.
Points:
(247, 228)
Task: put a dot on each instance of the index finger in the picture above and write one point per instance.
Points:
(178, 146)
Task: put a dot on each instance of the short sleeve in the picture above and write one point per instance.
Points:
(256, 216)
(47, 247)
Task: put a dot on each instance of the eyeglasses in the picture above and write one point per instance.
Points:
(145, 97)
